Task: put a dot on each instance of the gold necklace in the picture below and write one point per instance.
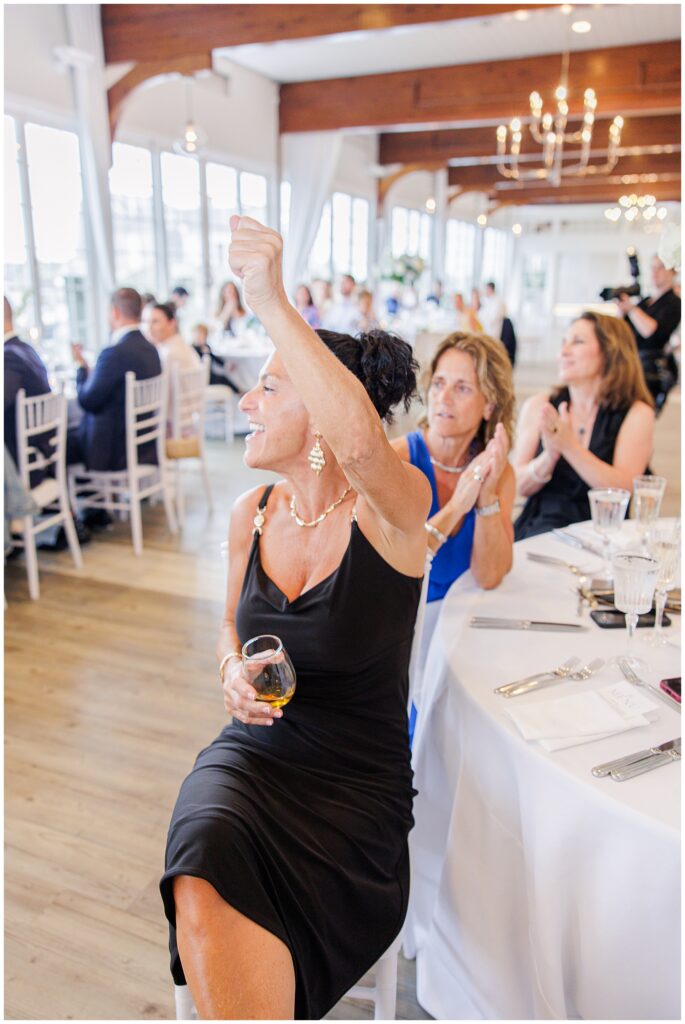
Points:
(319, 519)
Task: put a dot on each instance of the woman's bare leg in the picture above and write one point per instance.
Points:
(236, 970)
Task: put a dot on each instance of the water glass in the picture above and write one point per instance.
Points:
(270, 669)
(634, 581)
(663, 544)
(648, 492)
(608, 507)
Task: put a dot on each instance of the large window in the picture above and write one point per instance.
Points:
(286, 192)
(160, 203)
(459, 256)
(18, 288)
(410, 233)
(253, 196)
(54, 175)
(341, 245)
(495, 246)
(222, 203)
(182, 223)
(133, 225)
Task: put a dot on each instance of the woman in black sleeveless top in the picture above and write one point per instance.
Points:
(286, 868)
(596, 430)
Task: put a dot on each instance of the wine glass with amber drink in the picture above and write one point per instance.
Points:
(270, 670)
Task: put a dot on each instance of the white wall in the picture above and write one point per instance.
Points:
(31, 32)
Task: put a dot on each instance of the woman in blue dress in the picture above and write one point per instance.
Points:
(462, 448)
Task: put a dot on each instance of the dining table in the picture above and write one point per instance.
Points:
(539, 891)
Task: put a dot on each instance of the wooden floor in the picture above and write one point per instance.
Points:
(110, 691)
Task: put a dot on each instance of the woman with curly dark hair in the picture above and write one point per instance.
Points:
(287, 864)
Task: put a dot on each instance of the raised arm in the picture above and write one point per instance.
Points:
(336, 401)
(532, 471)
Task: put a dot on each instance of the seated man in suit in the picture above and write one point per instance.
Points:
(102, 392)
(23, 368)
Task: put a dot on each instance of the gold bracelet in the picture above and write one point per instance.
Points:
(226, 658)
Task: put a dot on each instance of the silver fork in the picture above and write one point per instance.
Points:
(538, 684)
(561, 672)
(547, 560)
(632, 677)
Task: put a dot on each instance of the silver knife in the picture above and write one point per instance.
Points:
(631, 770)
(600, 770)
(575, 542)
(483, 622)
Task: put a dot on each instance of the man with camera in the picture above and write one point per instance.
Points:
(653, 321)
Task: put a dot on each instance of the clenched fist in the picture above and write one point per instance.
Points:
(254, 255)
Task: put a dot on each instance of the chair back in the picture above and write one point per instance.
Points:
(145, 416)
(37, 417)
(188, 401)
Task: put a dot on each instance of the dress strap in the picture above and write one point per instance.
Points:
(259, 518)
(353, 516)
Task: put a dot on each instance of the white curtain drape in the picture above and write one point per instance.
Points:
(86, 58)
(309, 160)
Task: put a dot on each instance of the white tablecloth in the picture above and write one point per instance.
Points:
(538, 891)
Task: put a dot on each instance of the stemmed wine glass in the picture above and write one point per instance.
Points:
(663, 544)
(270, 669)
(634, 582)
(608, 507)
(648, 492)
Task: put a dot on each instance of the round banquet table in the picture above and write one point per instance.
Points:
(538, 890)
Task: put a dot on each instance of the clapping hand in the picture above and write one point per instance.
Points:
(556, 429)
(495, 453)
(77, 354)
(254, 256)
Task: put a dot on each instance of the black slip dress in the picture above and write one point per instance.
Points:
(302, 826)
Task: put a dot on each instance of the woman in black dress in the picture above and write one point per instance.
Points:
(596, 430)
(287, 867)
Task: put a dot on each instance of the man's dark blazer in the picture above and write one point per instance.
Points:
(23, 368)
(102, 396)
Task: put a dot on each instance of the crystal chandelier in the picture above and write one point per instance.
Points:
(634, 207)
(549, 131)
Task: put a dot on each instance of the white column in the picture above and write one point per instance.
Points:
(85, 57)
(439, 226)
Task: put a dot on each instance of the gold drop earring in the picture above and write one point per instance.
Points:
(317, 457)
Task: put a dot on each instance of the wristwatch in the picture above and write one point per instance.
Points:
(489, 510)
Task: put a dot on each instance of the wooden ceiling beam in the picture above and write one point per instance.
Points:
(487, 175)
(152, 32)
(120, 92)
(629, 80)
(465, 143)
(597, 192)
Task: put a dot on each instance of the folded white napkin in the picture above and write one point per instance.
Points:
(626, 538)
(583, 717)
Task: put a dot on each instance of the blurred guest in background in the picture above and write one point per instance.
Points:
(217, 366)
(436, 294)
(306, 308)
(343, 315)
(147, 299)
(179, 297)
(492, 311)
(230, 311)
(23, 368)
(101, 439)
(174, 353)
(367, 317)
(653, 321)
(595, 430)
(322, 293)
(467, 321)
(475, 301)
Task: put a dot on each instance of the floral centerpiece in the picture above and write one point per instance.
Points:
(405, 269)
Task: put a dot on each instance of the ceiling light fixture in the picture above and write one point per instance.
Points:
(516, 228)
(581, 27)
(633, 207)
(193, 139)
(482, 219)
(430, 205)
(549, 131)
